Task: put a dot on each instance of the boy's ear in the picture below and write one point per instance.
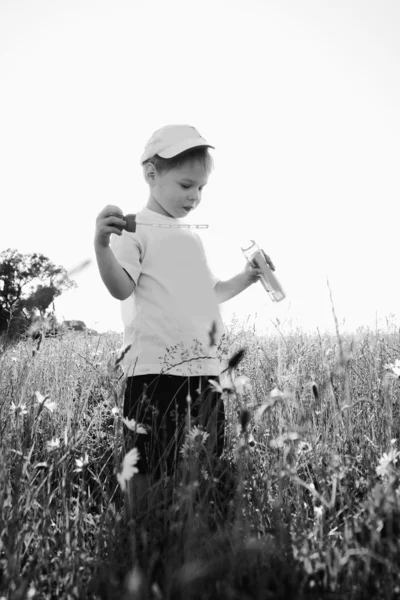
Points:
(150, 174)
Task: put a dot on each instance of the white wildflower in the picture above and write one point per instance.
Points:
(205, 474)
(279, 441)
(133, 426)
(318, 512)
(225, 383)
(303, 447)
(129, 468)
(276, 393)
(395, 368)
(115, 411)
(242, 384)
(81, 463)
(31, 593)
(387, 462)
(215, 385)
(194, 440)
(197, 435)
(53, 444)
(40, 398)
(45, 400)
(18, 408)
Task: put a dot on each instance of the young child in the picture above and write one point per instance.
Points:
(169, 302)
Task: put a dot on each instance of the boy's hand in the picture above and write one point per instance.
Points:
(253, 273)
(109, 220)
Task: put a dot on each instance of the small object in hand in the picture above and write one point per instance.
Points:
(130, 222)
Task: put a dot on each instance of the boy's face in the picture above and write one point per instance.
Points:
(178, 192)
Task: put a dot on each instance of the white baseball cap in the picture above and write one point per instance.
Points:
(172, 140)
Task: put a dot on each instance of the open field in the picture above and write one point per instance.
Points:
(297, 509)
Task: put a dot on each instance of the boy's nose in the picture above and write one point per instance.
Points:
(195, 197)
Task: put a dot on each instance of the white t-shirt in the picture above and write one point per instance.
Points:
(171, 311)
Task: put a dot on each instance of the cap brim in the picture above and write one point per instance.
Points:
(185, 145)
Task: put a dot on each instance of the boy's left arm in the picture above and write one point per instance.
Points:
(225, 290)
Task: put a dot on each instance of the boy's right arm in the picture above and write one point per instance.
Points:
(115, 278)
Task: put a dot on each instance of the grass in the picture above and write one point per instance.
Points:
(296, 508)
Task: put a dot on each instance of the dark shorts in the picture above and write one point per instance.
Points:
(159, 403)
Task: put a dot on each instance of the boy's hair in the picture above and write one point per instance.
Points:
(198, 154)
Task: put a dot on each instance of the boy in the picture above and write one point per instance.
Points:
(169, 302)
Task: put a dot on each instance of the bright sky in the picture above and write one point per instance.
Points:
(300, 99)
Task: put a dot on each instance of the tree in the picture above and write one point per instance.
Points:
(28, 283)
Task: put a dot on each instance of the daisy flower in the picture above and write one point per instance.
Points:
(195, 439)
(133, 426)
(18, 408)
(81, 463)
(395, 368)
(387, 462)
(197, 436)
(225, 383)
(303, 447)
(53, 444)
(45, 400)
(129, 468)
